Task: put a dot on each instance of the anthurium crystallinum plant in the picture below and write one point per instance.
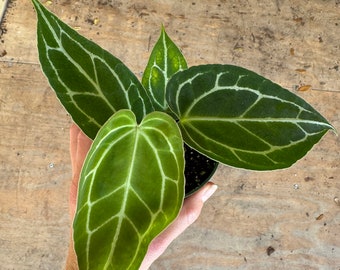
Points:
(151, 137)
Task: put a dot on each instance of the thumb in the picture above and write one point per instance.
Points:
(189, 213)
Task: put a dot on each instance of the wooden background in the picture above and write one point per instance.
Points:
(293, 213)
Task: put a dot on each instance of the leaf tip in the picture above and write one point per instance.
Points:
(163, 32)
(333, 129)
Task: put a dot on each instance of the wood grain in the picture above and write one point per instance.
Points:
(292, 212)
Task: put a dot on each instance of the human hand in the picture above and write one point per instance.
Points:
(191, 209)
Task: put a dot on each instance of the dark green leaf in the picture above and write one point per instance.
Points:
(165, 60)
(91, 83)
(131, 188)
(241, 119)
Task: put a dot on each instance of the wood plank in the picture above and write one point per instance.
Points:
(293, 211)
(34, 171)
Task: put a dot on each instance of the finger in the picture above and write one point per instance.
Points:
(74, 131)
(189, 213)
(83, 146)
(79, 146)
(193, 205)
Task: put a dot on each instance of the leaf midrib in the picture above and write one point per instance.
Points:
(257, 120)
(121, 214)
(272, 148)
(92, 56)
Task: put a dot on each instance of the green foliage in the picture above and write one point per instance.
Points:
(165, 60)
(132, 183)
(239, 118)
(90, 82)
(131, 188)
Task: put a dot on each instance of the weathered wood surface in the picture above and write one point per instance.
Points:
(293, 211)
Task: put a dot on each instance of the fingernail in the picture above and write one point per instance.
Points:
(209, 192)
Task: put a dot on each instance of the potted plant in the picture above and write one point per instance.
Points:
(149, 135)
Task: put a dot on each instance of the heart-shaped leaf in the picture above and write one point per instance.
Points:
(239, 118)
(131, 188)
(165, 60)
(91, 83)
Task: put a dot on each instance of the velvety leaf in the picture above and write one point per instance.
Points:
(91, 83)
(131, 188)
(241, 119)
(165, 60)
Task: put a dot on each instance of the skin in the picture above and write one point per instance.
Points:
(191, 209)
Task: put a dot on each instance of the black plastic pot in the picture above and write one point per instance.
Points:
(198, 170)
